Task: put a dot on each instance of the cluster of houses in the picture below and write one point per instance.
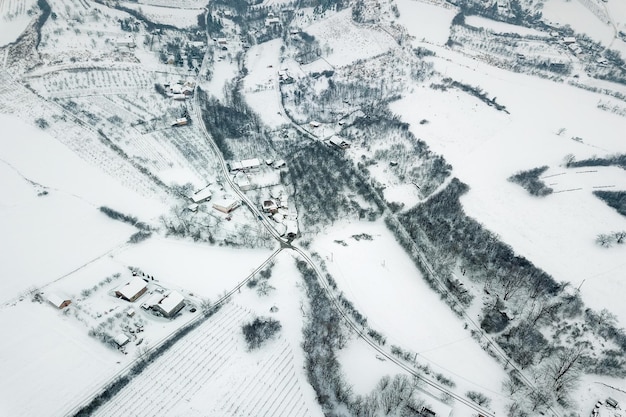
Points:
(571, 44)
(277, 208)
(166, 303)
(284, 77)
(180, 90)
(225, 205)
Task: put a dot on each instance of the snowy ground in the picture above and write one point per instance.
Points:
(580, 18)
(44, 346)
(485, 147)
(169, 15)
(347, 41)
(385, 286)
(207, 271)
(426, 22)
(13, 19)
(261, 83)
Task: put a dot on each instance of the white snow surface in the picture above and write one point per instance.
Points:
(426, 22)
(13, 19)
(386, 287)
(580, 18)
(485, 147)
(348, 41)
(205, 270)
(261, 82)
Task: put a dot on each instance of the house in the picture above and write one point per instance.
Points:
(179, 97)
(279, 164)
(193, 207)
(171, 60)
(270, 206)
(292, 229)
(339, 142)
(272, 21)
(250, 164)
(180, 122)
(58, 301)
(130, 312)
(269, 161)
(171, 304)
(243, 182)
(201, 196)
(314, 124)
(226, 205)
(132, 290)
(121, 339)
(569, 40)
(127, 42)
(611, 402)
(222, 41)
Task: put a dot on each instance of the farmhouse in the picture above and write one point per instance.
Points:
(201, 196)
(226, 205)
(569, 40)
(339, 142)
(58, 301)
(132, 290)
(127, 42)
(171, 304)
(314, 124)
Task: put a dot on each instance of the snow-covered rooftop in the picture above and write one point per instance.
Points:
(132, 287)
(171, 301)
(201, 195)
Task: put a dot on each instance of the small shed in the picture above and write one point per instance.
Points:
(280, 163)
(132, 290)
(121, 340)
(180, 122)
(58, 301)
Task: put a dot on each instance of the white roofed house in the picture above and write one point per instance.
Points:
(201, 196)
(132, 290)
(339, 142)
(121, 339)
(171, 304)
(250, 164)
(226, 205)
(58, 301)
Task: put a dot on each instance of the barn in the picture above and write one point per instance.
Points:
(132, 290)
(58, 301)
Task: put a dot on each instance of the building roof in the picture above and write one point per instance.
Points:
(121, 339)
(250, 163)
(56, 300)
(132, 287)
(171, 301)
(201, 195)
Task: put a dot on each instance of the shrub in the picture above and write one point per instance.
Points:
(260, 330)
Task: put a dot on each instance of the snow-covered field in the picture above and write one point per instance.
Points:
(207, 271)
(347, 41)
(580, 18)
(48, 362)
(485, 147)
(168, 14)
(261, 83)
(385, 286)
(426, 22)
(13, 19)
